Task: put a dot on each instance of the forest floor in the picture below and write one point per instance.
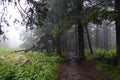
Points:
(73, 70)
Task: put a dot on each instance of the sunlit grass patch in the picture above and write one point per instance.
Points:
(4, 51)
(18, 58)
(28, 66)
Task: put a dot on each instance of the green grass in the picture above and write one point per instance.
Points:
(27, 66)
(101, 56)
(100, 53)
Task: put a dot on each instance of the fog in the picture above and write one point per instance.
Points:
(13, 31)
(12, 37)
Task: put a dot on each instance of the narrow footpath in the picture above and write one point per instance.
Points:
(73, 70)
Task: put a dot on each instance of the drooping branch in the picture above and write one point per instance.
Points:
(30, 15)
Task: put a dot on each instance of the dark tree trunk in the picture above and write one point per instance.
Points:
(58, 45)
(89, 41)
(76, 38)
(81, 41)
(117, 7)
(79, 4)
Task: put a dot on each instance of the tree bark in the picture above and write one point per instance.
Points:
(117, 8)
(79, 9)
(81, 41)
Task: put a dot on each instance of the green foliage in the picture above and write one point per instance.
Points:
(112, 71)
(58, 29)
(35, 66)
(100, 53)
(102, 57)
(97, 15)
(63, 25)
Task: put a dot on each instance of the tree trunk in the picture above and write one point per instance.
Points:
(76, 38)
(81, 41)
(58, 45)
(79, 9)
(117, 8)
(89, 41)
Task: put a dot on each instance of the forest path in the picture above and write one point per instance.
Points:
(73, 70)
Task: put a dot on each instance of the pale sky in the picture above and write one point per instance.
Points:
(14, 30)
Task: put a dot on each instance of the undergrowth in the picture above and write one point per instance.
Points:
(100, 53)
(27, 66)
(112, 71)
(104, 60)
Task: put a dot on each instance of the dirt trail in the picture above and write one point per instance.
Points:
(73, 70)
